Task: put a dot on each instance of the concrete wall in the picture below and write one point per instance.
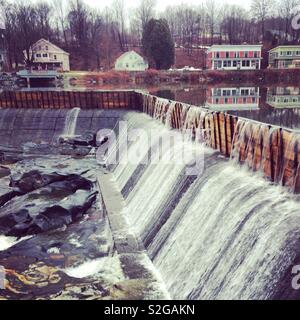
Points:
(18, 126)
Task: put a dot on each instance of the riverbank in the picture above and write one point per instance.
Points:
(151, 77)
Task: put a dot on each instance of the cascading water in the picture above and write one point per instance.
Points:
(70, 122)
(225, 233)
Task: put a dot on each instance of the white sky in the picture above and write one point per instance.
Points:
(162, 4)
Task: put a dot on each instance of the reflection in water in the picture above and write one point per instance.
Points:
(245, 98)
(280, 97)
(273, 105)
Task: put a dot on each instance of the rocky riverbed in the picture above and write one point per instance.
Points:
(55, 237)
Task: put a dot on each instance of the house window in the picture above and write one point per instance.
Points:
(227, 55)
(255, 54)
(246, 54)
(55, 57)
(234, 64)
(246, 63)
(45, 55)
(38, 55)
(217, 54)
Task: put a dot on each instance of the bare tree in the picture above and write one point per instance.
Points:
(145, 11)
(212, 14)
(59, 9)
(261, 10)
(119, 15)
(285, 9)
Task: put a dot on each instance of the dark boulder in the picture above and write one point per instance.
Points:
(7, 194)
(4, 172)
(34, 179)
(86, 139)
(22, 217)
(74, 150)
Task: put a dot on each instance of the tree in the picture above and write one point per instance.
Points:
(212, 18)
(261, 10)
(146, 11)
(157, 43)
(286, 12)
(119, 22)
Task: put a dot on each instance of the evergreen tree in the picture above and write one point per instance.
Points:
(158, 45)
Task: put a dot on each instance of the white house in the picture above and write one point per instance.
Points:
(234, 57)
(131, 61)
(48, 56)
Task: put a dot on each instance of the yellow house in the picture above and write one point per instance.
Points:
(284, 57)
(48, 56)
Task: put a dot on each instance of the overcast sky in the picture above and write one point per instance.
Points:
(162, 4)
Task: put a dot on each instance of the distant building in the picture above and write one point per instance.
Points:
(131, 61)
(47, 56)
(243, 98)
(284, 57)
(234, 57)
(284, 97)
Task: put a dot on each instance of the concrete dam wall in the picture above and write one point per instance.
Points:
(273, 150)
(19, 126)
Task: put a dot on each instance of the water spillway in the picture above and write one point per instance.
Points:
(225, 233)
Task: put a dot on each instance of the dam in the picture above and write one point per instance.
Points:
(222, 224)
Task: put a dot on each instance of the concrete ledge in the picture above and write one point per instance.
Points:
(136, 264)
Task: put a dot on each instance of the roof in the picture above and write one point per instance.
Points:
(285, 47)
(50, 44)
(128, 52)
(234, 46)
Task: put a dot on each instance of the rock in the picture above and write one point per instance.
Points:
(23, 217)
(39, 148)
(87, 139)
(35, 179)
(55, 216)
(45, 201)
(7, 195)
(74, 151)
(4, 172)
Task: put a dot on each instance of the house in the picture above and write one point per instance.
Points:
(48, 56)
(284, 57)
(131, 61)
(234, 57)
(236, 98)
(283, 97)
